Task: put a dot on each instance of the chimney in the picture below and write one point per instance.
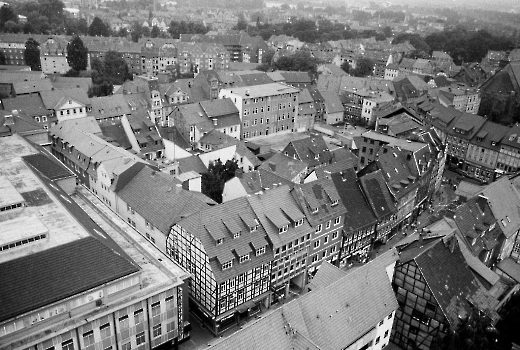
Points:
(272, 166)
(215, 121)
(247, 92)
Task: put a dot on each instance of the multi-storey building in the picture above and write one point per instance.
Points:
(360, 223)
(320, 319)
(129, 51)
(225, 249)
(264, 109)
(320, 202)
(66, 105)
(123, 297)
(373, 102)
(53, 55)
(143, 136)
(306, 112)
(289, 234)
(158, 56)
(311, 150)
(463, 99)
(483, 150)
(509, 156)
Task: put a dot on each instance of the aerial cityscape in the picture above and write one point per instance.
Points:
(292, 175)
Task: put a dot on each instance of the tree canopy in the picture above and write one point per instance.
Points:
(98, 28)
(218, 174)
(77, 54)
(364, 67)
(32, 54)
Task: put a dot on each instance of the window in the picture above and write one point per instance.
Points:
(318, 228)
(139, 338)
(337, 220)
(298, 223)
(37, 119)
(138, 316)
(334, 203)
(220, 241)
(156, 308)
(244, 258)
(377, 340)
(260, 251)
(316, 244)
(157, 330)
(386, 334)
(326, 239)
(105, 330)
(126, 346)
(227, 265)
(328, 224)
(283, 229)
(236, 235)
(334, 234)
(123, 322)
(88, 338)
(67, 345)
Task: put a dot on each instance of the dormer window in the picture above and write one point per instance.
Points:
(334, 202)
(244, 258)
(236, 235)
(220, 241)
(298, 223)
(283, 229)
(227, 265)
(260, 251)
(253, 228)
(314, 210)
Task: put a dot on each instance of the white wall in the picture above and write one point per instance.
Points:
(223, 154)
(173, 152)
(233, 189)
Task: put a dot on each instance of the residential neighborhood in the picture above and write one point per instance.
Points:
(284, 176)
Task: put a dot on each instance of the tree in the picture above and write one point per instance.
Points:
(218, 174)
(7, 14)
(115, 69)
(77, 54)
(2, 58)
(155, 32)
(346, 67)
(32, 54)
(364, 67)
(98, 28)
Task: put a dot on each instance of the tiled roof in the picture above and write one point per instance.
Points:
(27, 87)
(219, 221)
(109, 106)
(309, 148)
(157, 198)
(193, 163)
(51, 99)
(469, 123)
(260, 180)
(296, 77)
(504, 200)
(380, 199)
(47, 166)
(332, 102)
(330, 317)
(510, 267)
(359, 215)
(450, 280)
(31, 104)
(320, 194)
(274, 202)
(263, 90)
(218, 107)
(284, 166)
(87, 263)
(218, 139)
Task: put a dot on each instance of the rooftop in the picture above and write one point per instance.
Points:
(261, 90)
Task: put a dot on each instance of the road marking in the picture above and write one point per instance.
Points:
(99, 233)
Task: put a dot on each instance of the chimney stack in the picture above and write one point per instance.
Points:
(272, 166)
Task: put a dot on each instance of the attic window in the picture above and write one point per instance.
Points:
(227, 265)
(283, 229)
(236, 234)
(244, 258)
(314, 210)
(298, 223)
(334, 202)
(260, 251)
(220, 241)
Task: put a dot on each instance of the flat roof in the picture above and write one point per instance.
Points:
(262, 90)
(11, 232)
(41, 202)
(9, 193)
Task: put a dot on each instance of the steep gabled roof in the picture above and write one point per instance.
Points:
(160, 199)
(358, 215)
(284, 166)
(377, 193)
(312, 150)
